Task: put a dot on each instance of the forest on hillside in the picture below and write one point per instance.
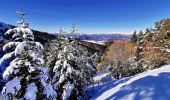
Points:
(145, 51)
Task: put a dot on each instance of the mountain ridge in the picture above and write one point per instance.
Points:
(101, 37)
(82, 36)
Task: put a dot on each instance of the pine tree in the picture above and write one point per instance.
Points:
(51, 50)
(27, 78)
(73, 30)
(134, 37)
(66, 77)
(73, 70)
(85, 61)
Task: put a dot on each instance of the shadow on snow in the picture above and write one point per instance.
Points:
(149, 87)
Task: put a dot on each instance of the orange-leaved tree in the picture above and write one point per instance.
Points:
(120, 57)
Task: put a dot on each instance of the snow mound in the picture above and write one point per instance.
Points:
(150, 85)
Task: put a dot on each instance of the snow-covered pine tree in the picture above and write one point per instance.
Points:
(84, 60)
(73, 70)
(66, 79)
(50, 54)
(27, 78)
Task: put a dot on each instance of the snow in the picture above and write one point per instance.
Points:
(69, 70)
(150, 85)
(48, 89)
(57, 65)
(97, 42)
(167, 50)
(50, 92)
(12, 86)
(35, 56)
(20, 47)
(10, 45)
(9, 70)
(16, 35)
(100, 76)
(31, 69)
(39, 45)
(21, 31)
(13, 67)
(32, 49)
(62, 78)
(31, 92)
(65, 65)
(43, 69)
(7, 56)
(67, 91)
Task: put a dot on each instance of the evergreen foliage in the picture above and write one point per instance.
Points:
(73, 69)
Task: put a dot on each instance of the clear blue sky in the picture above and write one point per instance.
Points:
(90, 16)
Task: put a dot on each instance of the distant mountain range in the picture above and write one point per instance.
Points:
(92, 37)
(101, 37)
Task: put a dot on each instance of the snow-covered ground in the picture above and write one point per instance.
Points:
(150, 85)
(102, 75)
(97, 42)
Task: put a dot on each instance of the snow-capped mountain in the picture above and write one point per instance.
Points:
(101, 37)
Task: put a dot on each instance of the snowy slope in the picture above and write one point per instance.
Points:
(150, 85)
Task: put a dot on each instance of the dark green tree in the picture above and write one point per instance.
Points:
(134, 37)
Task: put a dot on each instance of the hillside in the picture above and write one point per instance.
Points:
(150, 85)
(45, 37)
(42, 37)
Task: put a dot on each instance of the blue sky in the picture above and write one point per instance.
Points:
(90, 16)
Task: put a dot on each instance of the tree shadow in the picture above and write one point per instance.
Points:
(95, 91)
(149, 87)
